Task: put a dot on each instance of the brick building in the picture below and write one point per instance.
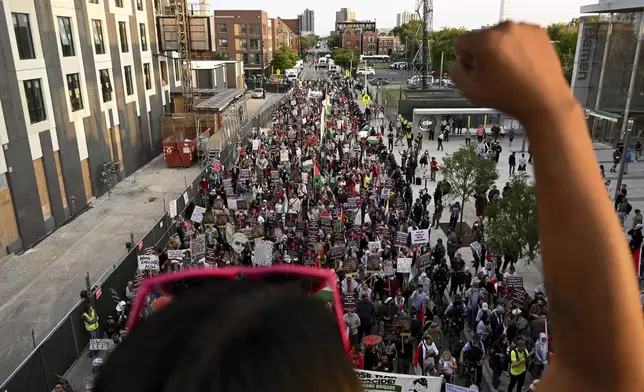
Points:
(283, 35)
(246, 36)
(386, 45)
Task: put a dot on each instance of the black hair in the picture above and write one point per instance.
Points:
(235, 336)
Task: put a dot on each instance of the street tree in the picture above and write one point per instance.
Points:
(345, 57)
(284, 58)
(309, 42)
(334, 41)
(564, 38)
(409, 35)
(512, 226)
(468, 174)
(442, 42)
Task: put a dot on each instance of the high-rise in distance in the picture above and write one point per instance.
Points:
(344, 15)
(307, 22)
(405, 17)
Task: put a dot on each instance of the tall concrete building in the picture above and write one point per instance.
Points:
(345, 14)
(82, 88)
(307, 22)
(405, 17)
(505, 5)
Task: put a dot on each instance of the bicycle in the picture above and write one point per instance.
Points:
(468, 373)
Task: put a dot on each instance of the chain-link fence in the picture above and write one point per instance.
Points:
(67, 341)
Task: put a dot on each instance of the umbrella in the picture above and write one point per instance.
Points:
(372, 340)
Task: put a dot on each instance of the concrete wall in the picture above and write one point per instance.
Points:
(52, 169)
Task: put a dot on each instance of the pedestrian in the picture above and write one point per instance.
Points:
(638, 151)
(480, 133)
(511, 135)
(519, 358)
(617, 157)
(512, 162)
(468, 136)
(440, 143)
(627, 160)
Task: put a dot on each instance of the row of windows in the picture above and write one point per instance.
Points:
(24, 40)
(241, 28)
(119, 3)
(36, 102)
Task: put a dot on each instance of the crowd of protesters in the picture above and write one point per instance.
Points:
(320, 186)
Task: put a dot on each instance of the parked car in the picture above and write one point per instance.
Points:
(365, 71)
(258, 93)
(378, 81)
(417, 81)
(398, 65)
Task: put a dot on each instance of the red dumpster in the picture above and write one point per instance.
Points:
(179, 150)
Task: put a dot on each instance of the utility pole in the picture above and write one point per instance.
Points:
(627, 123)
(425, 53)
(440, 79)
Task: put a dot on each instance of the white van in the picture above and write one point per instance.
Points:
(322, 61)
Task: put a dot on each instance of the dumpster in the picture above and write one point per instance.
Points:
(180, 148)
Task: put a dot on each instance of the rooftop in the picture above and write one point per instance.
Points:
(220, 98)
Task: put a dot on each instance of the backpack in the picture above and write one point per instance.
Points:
(525, 353)
(475, 354)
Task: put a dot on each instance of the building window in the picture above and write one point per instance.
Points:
(163, 66)
(99, 45)
(255, 29)
(255, 44)
(144, 37)
(93, 1)
(242, 44)
(177, 69)
(106, 86)
(118, 3)
(66, 37)
(123, 36)
(224, 55)
(75, 97)
(223, 43)
(222, 28)
(129, 87)
(243, 57)
(255, 58)
(25, 43)
(240, 29)
(35, 101)
(139, 5)
(146, 74)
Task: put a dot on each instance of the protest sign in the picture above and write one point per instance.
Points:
(211, 256)
(392, 382)
(424, 260)
(401, 239)
(263, 255)
(148, 262)
(374, 247)
(173, 208)
(176, 254)
(284, 156)
(242, 204)
(456, 388)
(349, 301)
(514, 282)
(198, 246)
(403, 265)
(337, 252)
(402, 322)
(520, 297)
(389, 268)
(101, 344)
(349, 265)
(197, 214)
(373, 263)
(419, 237)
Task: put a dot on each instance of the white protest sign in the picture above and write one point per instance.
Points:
(419, 237)
(263, 253)
(101, 344)
(284, 155)
(392, 382)
(374, 246)
(185, 197)
(173, 208)
(176, 254)
(197, 214)
(403, 265)
(255, 145)
(148, 262)
(456, 388)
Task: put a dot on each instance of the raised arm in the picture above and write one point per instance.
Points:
(587, 266)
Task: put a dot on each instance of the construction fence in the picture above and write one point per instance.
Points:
(67, 341)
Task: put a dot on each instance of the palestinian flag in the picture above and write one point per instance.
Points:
(373, 140)
(326, 294)
(308, 164)
(316, 172)
(340, 223)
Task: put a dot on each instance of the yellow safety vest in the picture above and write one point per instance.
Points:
(92, 324)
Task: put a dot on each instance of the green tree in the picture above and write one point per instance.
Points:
(512, 227)
(442, 41)
(467, 174)
(344, 57)
(334, 41)
(564, 38)
(284, 58)
(309, 42)
(409, 34)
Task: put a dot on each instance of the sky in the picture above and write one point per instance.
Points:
(447, 13)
